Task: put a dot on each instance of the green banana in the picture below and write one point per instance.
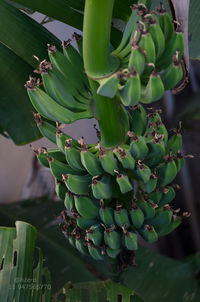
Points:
(77, 184)
(46, 129)
(121, 216)
(58, 89)
(61, 138)
(123, 182)
(156, 128)
(167, 229)
(95, 252)
(138, 120)
(166, 171)
(90, 161)
(95, 234)
(108, 161)
(112, 238)
(79, 42)
(130, 239)
(69, 201)
(125, 158)
(175, 142)
(42, 156)
(86, 207)
(168, 194)
(60, 189)
(59, 168)
(106, 214)
(173, 74)
(136, 216)
(157, 36)
(130, 27)
(109, 86)
(55, 153)
(148, 233)
(85, 223)
(147, 45)
(61, 63)
(163, 216)
(179, 161)
(175, 44)
(81, 245)
(166, 23)
(137, 58)
(76, 60)
(113, 253)
(102, 187)
(131, 92)
(150, 186)
(72, 240)
(156, 196)
(156, 152)
(73, 156)
(142, 172)
(51, 110)
(148, 208)
(154, 90)
(138, 146)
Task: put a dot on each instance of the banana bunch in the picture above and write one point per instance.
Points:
(114, 196)
(65, 94)
(150, 52)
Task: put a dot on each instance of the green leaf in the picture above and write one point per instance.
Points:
(23, 35)
(22, 7)
(16, 116)
(59, 10)
(23, 38)
(93, 292)
(159, 278)
(69, 264)
(19, 280)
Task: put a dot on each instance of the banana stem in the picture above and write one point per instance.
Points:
(107, 112)
(96, 42)
(98, 62)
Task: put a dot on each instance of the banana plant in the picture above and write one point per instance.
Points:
(119, 188)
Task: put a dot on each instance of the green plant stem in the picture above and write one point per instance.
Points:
(98, 62)
(107, 112)
(96, 38)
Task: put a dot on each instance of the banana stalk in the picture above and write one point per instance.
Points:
(98, 64)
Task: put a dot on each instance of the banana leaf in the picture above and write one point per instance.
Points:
(20, 38)
(16, 116)
(22, 277)
(96, 292)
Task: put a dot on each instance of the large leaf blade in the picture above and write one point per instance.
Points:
(59, 10)
(17, 254)
(23, 35)
(16, 116)
(164, 279)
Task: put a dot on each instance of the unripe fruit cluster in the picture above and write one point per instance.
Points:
(112, 196)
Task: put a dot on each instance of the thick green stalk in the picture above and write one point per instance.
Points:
(98, 63)
(108, 114)
(96, 38)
